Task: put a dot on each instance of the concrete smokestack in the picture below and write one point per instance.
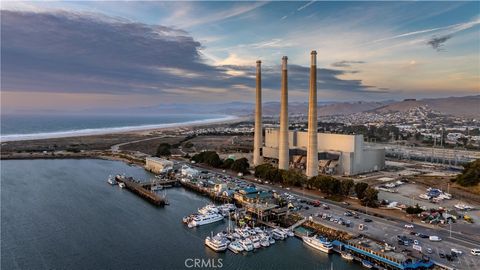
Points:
(257, 139)
(312, 147)
(283, 151)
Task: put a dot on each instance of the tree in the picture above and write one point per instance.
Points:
(414, 210)
(163, 150)
(346, 186)
(370, 198)
(470, 175)
(208, 157)
(294, 178)
(240, 165)
(360, 189)
(227, 163)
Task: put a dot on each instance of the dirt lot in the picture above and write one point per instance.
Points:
(223, 144)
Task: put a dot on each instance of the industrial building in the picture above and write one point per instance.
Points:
(315, 152)
(158, 165)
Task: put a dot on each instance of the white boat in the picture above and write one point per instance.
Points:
(264, 242)
(347, 256)
(235, 247)
(288, 232)
(321, 244)
(216, 243)
(209, 208)
(367, 264)
(246, 244)
(205, 219)
(271, 240)
(156, 187)
(256, 241)
(279, 234)
(121, 185)
(111, 180)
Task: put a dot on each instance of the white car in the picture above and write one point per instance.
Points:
(435, 238)
(457, 251)
(409, 226)
(415, 242)
(475, 251)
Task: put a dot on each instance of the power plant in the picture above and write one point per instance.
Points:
(309, 150)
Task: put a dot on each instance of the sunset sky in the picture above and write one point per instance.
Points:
(85, 55)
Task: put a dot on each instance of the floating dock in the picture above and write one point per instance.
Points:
(141, 191)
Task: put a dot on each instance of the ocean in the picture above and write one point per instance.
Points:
(61, 214)
(24, 127)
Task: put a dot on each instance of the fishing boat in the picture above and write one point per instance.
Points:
(318, 243)
(347, 256)
(367, 264)
(111, 180)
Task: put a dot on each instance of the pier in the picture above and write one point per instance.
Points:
(140, 190)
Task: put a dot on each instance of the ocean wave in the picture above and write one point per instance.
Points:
(102, 131)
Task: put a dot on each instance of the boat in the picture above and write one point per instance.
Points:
(205, 219)
(288, 232)
(279, 234)
(156, 187)
(235, 247)
(216, 243)
(209, 208)
(347, 256)
(367, 264)
(246, 244)
(264, 242)
(271, 240)
(256, 241)
(111, 180)
(121, 185)
(318, 243)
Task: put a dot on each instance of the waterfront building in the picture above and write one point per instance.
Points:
(158, 165)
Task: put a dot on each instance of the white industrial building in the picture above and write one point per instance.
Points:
(337, 153)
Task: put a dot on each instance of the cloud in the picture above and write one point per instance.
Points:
(306, 5)
(78, 53)
(438, 42)
(345, 63)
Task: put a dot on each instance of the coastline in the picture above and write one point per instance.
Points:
(115, 130)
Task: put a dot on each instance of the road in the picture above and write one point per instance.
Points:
(116, 147)
(387, 229)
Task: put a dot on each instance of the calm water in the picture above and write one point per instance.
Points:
(61, 214)
(18, 126)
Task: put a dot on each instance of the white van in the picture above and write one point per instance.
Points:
(475, 251)
(435, 238)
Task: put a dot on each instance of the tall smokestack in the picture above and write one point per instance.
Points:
(312, 147)
(283, 151)
(257, 139)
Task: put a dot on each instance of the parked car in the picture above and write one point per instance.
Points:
(434, 238)
(409, 226)
(456, 251)
(367, 220)
(429, 250)
(441, 255)
(415, 242)
(326, 207)
(421, 235)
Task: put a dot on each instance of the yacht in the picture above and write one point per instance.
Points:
(367, 264)
(264, 241)
(347, 256)
(111, 180)
(256, 241)
(205, 219)
(288, 232)
(271, 240)
(279, 234)
(321, 244)
(246, 244)
(235, 247)
(216, 243)
(209, 208)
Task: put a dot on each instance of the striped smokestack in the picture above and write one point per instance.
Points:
(283, 151)
(312, 147)
(257, 139)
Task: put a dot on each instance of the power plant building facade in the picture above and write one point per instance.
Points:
(337, 153)
(315, 152)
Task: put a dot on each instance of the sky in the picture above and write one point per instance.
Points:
(91, 54)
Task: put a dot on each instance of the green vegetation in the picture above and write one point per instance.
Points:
(163, 150)
(414, 210)
(240, 165)
(208, 157)
(227, 163)
(370, 198)
(470, 175)
(360, 189)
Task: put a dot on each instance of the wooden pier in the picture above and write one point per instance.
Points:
(141, 191)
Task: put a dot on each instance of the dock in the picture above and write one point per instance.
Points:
(140, 190)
